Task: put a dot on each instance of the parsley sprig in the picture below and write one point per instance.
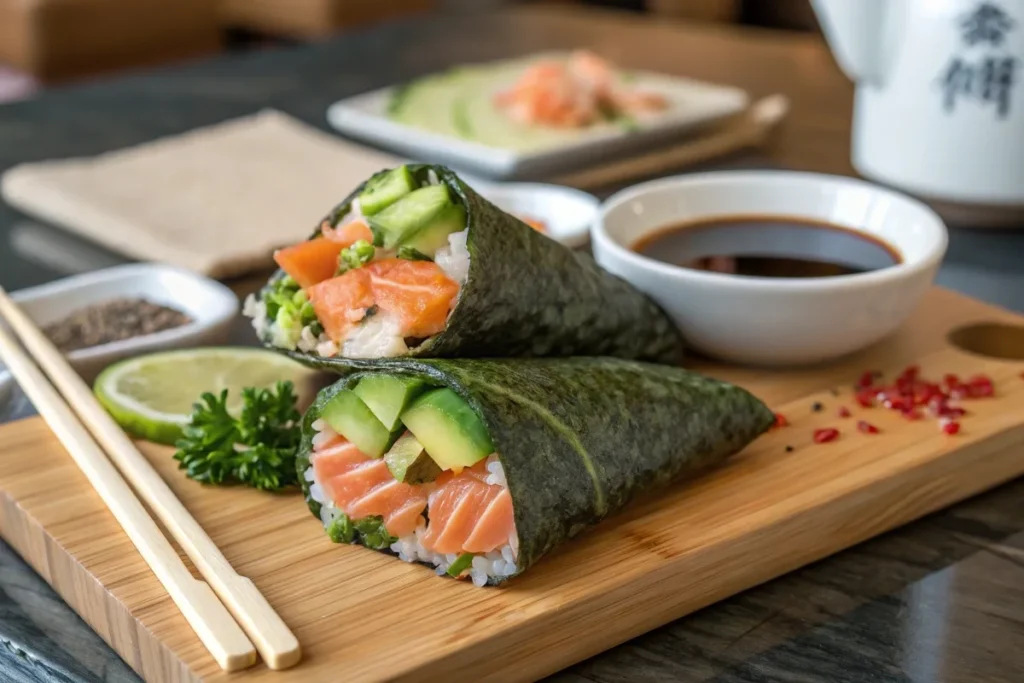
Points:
(257, 448)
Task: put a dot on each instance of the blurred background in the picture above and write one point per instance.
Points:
(49, 42)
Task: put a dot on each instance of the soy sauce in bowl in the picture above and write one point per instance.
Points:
(768, 246)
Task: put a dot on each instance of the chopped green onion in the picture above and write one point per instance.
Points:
(356, 256)
(341, 530)
(461, 564)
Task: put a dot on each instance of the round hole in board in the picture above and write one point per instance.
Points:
(995, 340)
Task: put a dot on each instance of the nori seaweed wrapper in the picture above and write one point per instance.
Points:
(580, 437)
(529, 296)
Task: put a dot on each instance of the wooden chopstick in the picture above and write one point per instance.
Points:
(201, 608)
(275, 642)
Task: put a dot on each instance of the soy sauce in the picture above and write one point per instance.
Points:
(768, 246)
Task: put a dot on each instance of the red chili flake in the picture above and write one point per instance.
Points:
(912, 414)
(866, 380)
(980, 386)
(844, 411)
(952, 411)
(949, 426)
(866, 427)
(780, 420)
(926, 393)
(950, 380)
(825, 435)
(911, 372)
(897, 403)
(865, 398)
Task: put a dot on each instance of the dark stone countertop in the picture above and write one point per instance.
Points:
(939, 600)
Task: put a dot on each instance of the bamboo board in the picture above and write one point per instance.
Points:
(363, 616)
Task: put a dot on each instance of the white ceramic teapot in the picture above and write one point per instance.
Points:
(939, 108)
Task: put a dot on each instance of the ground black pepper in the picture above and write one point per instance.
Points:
(111, 321)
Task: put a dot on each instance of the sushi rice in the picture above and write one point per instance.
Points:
(377, 336)
(494, 564)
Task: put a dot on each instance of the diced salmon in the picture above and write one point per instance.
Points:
(579, 92)
(347, 234)
(341, 302)
(363, 487)
(466, 514)
(418, 293)
(309, 263)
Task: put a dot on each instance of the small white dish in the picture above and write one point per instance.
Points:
(695, 103)
(773, 321)
(211, 305)
(566, 213)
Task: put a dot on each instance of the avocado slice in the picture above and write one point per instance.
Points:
(348, 415)
(409, 215)
(434, 235)
(386, 396)
(451, 432)
(409, 463)
(384, 190)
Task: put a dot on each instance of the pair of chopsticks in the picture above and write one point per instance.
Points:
(227, 640)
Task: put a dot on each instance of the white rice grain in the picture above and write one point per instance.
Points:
(327, 349)
(378, 337)
(453, 259)
(256, 310)
(318, 424)
(496, 473)
(307, 340)
(317, 493)
(432, 177)
(323, 437)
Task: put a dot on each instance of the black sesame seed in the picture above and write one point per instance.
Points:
(789, 449)
(817, 407)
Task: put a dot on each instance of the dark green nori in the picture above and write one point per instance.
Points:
(580, 437)
(528, 296)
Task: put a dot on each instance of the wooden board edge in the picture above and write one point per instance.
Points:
(105, 614)
(918, 492)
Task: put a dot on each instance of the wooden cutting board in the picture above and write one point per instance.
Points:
(362, 616)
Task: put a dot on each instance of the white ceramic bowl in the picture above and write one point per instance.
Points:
(773, 321)
(566, 212)
(211, 305)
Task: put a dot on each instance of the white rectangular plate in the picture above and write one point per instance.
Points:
(694, 103)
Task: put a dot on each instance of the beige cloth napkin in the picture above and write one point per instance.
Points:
(216, 200)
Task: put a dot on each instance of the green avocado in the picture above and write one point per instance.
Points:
(349, 416)
(459, 104)
(409, 463)
(385, 189)
(415, 211)
(434, 235)
(386, 396)
(451, 432)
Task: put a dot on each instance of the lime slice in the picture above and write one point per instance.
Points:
(151, 396)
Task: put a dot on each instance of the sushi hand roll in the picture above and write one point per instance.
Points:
(478, 468)
(415, 263)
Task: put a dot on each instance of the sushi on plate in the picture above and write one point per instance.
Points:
(478, 468)
(415, 263)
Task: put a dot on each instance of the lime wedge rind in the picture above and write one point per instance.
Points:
(151, 396)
